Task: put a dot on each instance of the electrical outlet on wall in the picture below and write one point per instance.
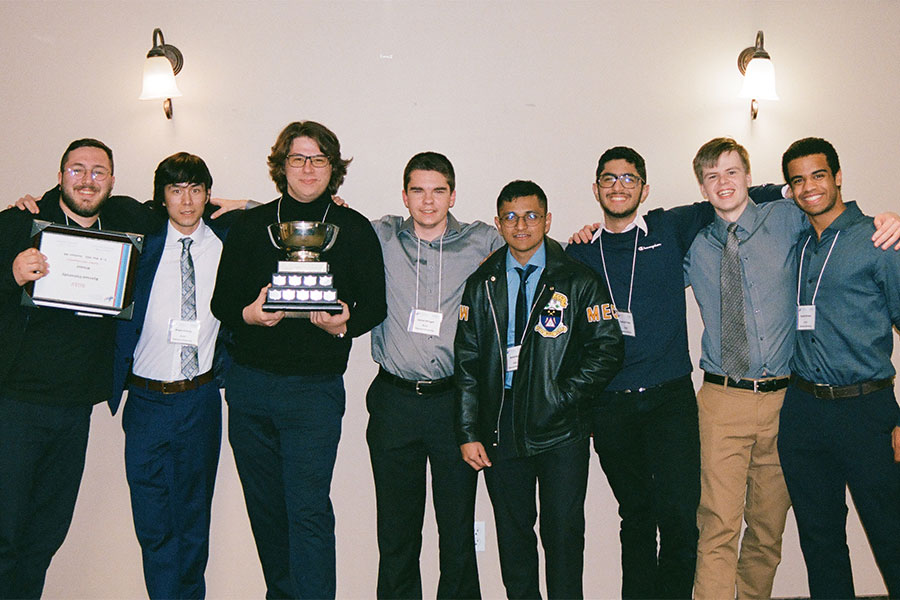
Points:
(479, 536)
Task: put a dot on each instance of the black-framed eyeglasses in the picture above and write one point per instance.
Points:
(511, 219)
(628, 180)
(77, 173)
(298, 161)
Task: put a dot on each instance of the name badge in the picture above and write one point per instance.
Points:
(626, 323)
(184, 333)
(806, 317)
(426, 322)
(512, 357)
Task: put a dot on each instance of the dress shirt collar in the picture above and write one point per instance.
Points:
(746, 222)
(538, 259)
(173, 236)
(638, 222)
(851, 215)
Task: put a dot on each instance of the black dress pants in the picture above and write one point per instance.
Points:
(649, 447)
(560, 475)
(406, 431)
(42, 450)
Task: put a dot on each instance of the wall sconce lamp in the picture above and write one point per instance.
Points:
(759, 74)
(163, 63)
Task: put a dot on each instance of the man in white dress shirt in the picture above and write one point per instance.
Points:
(164, 357)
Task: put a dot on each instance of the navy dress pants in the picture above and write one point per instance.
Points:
(406, 432)
(284, 431)
(42, 450)
(827, 446)
(649, 447)
(172, 446)
(561, 476)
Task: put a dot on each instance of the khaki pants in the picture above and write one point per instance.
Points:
(740, 476)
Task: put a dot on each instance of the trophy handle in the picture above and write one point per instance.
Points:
(331, 240)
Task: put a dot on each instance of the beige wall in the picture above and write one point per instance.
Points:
(507, 90)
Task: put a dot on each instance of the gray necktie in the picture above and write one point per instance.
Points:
(735, 349)
(190, 364)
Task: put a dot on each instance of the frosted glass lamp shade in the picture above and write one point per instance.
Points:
(759, 80)
(159, 79)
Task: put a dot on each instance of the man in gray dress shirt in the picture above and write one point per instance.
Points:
(427, 258)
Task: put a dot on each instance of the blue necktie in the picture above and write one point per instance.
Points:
(522, 301)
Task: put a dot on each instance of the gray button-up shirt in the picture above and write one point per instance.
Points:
(452, 257)
(767, 234)
(857, 302)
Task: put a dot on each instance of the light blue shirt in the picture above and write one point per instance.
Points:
(539, 260)
(767, 235)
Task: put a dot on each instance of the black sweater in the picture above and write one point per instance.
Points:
(295, 346)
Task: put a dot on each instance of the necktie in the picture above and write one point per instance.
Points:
(735, 348)
(522, 301)
(189, 361)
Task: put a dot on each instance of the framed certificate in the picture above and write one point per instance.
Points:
(91, 271)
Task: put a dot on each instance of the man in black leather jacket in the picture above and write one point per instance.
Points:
(525, 390)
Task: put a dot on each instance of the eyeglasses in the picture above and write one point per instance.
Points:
(511, 219)
(298, 161)
(629, 180)
(77, 173)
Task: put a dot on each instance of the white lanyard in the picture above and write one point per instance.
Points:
(99, 224)
(440, 269)
(278, 211)
(626, 319)
(422, 321)
(800, 268)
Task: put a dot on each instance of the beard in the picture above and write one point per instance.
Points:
(81, 209)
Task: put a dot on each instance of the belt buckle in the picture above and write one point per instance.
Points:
(756, 384)
(419, 391)
(824, 391)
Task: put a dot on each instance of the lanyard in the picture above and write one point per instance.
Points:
(800, 268)
(278, 211)
(633, 261)
(440, 269)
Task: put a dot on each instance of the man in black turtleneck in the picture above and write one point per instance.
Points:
(285, 391)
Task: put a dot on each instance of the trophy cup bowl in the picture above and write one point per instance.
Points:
(302, 283)
(303, 240)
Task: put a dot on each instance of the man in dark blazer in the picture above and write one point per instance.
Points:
(164, 357)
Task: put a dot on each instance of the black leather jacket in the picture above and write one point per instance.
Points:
(566, 365)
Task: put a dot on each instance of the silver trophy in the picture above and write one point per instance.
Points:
(302, 283)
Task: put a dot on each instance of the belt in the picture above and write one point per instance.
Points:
(755, 385)
(422, 387)
(833, 392)
(170, 387)
(660, 387)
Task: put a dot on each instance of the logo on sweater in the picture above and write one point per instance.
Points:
(463, 312)
(550, 323)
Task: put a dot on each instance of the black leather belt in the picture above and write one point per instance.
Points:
(833, 392)
(422, 387)
(660, 387)
(169, 387)
(754, 385)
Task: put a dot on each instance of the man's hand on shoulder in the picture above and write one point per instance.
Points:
(29, 265)
(339, 201)
(475, 454)
(585, 234)
(255, 315)
(27, 202)
(227, 205)
(333, 324)
(887, 231)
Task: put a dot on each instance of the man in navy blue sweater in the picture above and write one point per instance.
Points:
(645, 422)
